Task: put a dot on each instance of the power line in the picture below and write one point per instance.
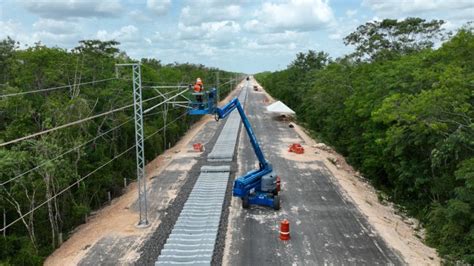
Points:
(64, 126)
(222, 85)
(163, 83)
(165, 101)
(86, 176)
(71, 150)
(227, 82)
(72, 123)
(166, 93)
(159, 130)
(66, 189)
(166, 87)
(64, 153)
(55, 88)
(147, 115)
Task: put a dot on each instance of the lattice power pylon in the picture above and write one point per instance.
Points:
(139, 142)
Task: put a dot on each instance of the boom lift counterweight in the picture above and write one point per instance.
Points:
(258, 187)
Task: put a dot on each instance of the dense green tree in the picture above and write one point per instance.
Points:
(309, 61)
(64, 156)
(380, 39)
(294, 82)
(404, 121)
(7, 49)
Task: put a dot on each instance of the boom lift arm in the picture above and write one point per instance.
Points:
(257, 186)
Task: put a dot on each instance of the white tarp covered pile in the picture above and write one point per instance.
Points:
(280, 108)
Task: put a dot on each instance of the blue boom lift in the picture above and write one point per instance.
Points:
(258, 187)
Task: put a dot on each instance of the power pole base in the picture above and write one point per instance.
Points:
(142, 225)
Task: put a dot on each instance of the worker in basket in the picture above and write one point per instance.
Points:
(198, 90)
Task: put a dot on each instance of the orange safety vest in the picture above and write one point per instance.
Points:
(198, 87)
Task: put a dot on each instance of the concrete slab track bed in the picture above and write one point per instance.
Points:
(224, 148)
(194, 235)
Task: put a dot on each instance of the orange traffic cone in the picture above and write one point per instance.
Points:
(198, 147)
(296, 148)
(285, 230)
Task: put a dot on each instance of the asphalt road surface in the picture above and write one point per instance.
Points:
(326, 228)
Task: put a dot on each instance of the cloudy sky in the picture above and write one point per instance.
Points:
(238, 35)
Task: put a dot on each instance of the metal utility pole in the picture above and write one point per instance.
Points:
(139, 142)
(4, 224)
(217, 87)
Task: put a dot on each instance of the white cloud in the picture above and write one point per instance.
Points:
(205, 27)
(281, 42)
(351, 12)
(206, 50)
(199, 12)
(282, 37)
(335, 36)
(157, 37)
(269, 48)
(159, 7)
(252, 25)
(73, 8)
(298, 15)
(8, 28)
(216, 32)
(139, 16)
(61, 40)
(56, 26)
(267, 32)
(455, 13)
(397, 8)
(126, 34)
(15, 31)
(343, 27)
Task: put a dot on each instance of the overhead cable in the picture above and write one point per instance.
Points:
(55, 88)
(73, 123)
(166, 87)
(227, 82)
(71, 150)
(161, 83)
(66, 189)
(163, 102)
(62, 154)
(86, 176)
